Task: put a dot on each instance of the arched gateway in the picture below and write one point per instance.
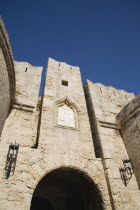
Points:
(66, 189)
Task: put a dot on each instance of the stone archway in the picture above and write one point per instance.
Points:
(7, 76)
(66, 189)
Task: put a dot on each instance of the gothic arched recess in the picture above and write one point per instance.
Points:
(67, 114)
(66, 189)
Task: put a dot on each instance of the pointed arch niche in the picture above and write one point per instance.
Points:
(66, 114)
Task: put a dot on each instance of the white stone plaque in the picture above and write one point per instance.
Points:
(66, 116)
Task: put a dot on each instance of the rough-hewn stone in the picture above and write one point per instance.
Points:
(22, 123)
(104, 103)
(59, 145)
(55, 133)
(7, 76)
(129, 120)
(27, 84)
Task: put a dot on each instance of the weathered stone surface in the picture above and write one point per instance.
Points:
(104, 103)
(22, 123)
(125, 196)
(4, 91)
(7, 76)
(129, 121)
(28, 80)
(53, 132)
(59, 145)
(109, 102)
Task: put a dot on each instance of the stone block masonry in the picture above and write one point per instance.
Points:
(7, 76)
(61, 144)
(104, 103)
(4, 92)
(72, 143)
(28, 80)
(21, 125)
(129, 121)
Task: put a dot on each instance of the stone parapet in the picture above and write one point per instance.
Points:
(28, 80)
(22, 124)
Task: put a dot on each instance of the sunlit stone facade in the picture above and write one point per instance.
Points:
(78, 147)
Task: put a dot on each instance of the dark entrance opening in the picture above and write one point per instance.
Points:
(41, 203)
(66, 189)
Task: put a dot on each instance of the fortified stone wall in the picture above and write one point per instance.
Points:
(63, 143)
(104, 103)
(129, 120)
(60, 143)
(4, 91)
(7, 76)
(21, 125)
(28, 79)
(54, 136)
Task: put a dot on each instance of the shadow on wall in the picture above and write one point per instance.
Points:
(7, 76)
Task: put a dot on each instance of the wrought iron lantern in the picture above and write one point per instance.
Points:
(126, 171)
(11, 160)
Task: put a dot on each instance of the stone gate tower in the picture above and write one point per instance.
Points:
(71, 149)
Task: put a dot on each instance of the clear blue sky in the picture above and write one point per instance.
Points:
(102, 37)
